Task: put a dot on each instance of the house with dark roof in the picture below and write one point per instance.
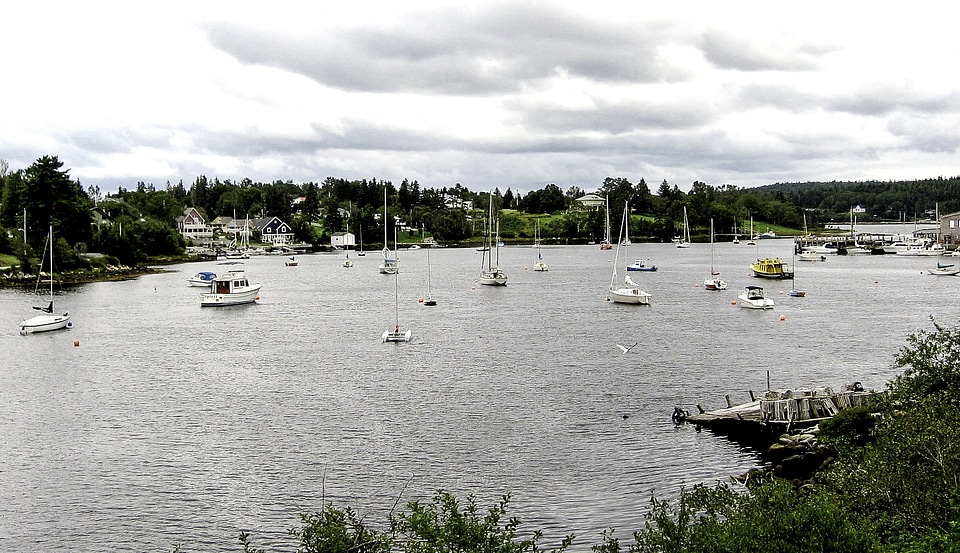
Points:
(272, 230)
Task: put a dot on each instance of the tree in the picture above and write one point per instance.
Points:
(50, 197)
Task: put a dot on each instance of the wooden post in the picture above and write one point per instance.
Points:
(728, 400)
(699, 408)
(751, 396)
(768, 381)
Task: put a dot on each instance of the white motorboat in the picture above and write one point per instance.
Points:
(629, 291)
(291, 261)
(807, 255)
(49, 320)
(752, 298)
(203, 278)
(822, 249)
(923, 250)
(230, 287)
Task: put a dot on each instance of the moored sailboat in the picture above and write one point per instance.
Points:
(49, 320)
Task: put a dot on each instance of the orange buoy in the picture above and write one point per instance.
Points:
(733, 302)
(783, 317)
(419, 300)
(76, 343)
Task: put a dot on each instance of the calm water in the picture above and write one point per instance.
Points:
(171, 424)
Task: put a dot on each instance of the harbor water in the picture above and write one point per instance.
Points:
(153, 422)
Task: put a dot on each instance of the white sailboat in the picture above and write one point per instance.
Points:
(429, 300)
(606, 245)
(629, 291)
(736, 237)
(713, 282)
(684, 241)
(751, 241)
(491, 275)
(540, 265)
(396, 335)
(389, 266)
(49, 320)
(361, 253)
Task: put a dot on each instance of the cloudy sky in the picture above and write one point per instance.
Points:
(488, 94)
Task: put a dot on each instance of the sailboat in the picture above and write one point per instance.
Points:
(751, 241)
(684, 241)
(388, 266)
(540, 265)
(793, 290)
(396, 335)
(360, 253)
(49, 320)
(347, 262)
(629, 291)
(713, 282)
(736, 237)
(491, 275)
(606, 245)
(639, 264)
(429, 300)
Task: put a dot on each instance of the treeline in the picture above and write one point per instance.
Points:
(140, 223)
(892, 486)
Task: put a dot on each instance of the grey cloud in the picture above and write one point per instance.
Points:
(729, 51)
(493, 50)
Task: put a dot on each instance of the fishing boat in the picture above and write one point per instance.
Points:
(48, 320)
(752, 298)
(771, 267)
(713, 282)
(491, 274)
(540, 265)
(230, 287)
(203, 278)
(389, 265)
(629, 291)
(396, 335)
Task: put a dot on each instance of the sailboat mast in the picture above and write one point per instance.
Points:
(50, 239)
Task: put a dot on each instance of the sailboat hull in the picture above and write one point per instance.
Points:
(44, 323)
(634, 296)
(397, 336)
(495, 277)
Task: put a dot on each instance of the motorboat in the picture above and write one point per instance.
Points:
(291, 261)
(49, 320)
(752, 298)
(771, 267)
(203, 278)
(807, 255)
(641, 265)
(822, 249)
(230, 287)
(923, 250)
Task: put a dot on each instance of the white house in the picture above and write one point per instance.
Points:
(343, 240)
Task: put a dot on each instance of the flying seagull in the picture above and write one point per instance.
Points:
(625, 349)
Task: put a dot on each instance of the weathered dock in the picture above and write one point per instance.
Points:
(761, 421)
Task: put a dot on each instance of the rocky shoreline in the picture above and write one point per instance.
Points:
(107, 273)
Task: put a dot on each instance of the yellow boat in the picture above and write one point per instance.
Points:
(771, 267)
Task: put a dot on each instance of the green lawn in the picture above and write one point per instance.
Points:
(8, 260)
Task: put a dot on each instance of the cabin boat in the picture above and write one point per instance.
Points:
(641, 265)
(771, 267)
(230, 288)
(203, 278)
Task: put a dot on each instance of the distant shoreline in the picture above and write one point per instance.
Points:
(109, 274)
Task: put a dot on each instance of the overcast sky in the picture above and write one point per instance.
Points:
(487, 94)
